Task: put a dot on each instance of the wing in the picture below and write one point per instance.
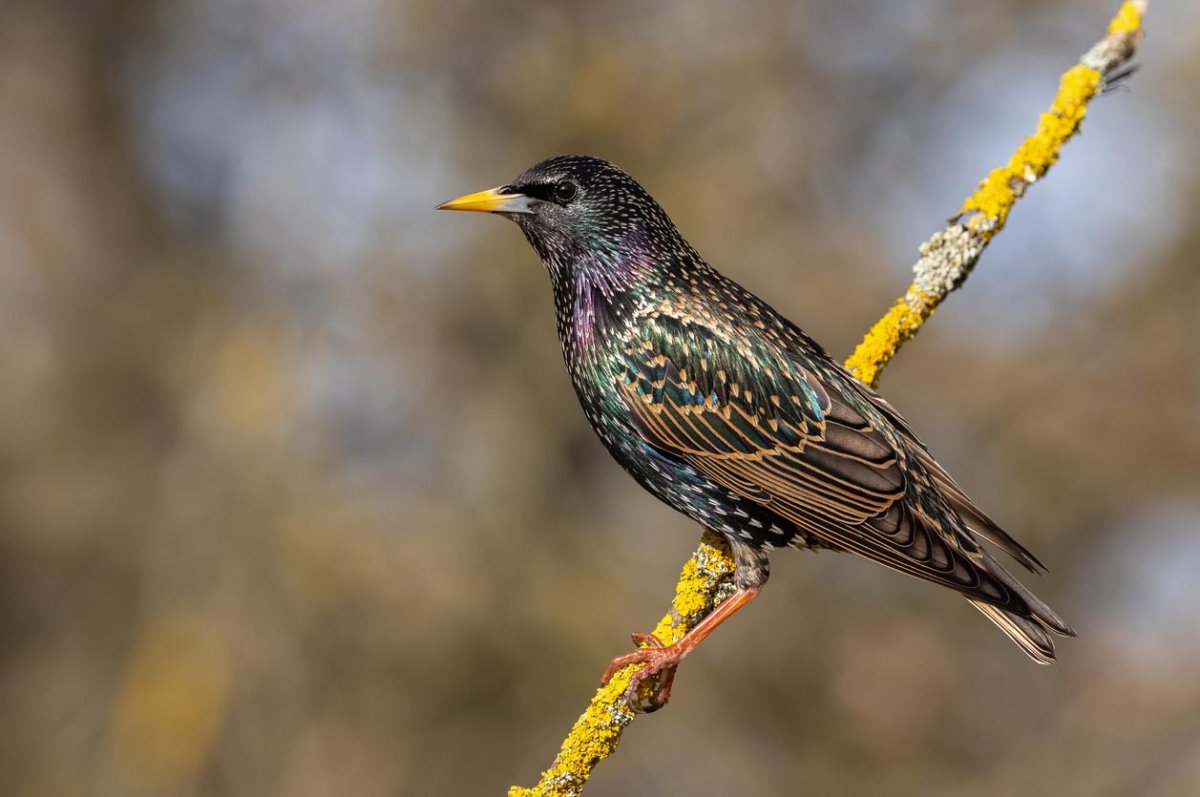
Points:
(760, 423)
(959, 500)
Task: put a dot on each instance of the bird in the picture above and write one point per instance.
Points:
(731, 414)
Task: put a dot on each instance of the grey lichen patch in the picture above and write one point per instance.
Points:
(1125, 33)
(619, 715)
(714, 568)
(1108, 53)
(946, 259)
(723, 591)
(565, 784)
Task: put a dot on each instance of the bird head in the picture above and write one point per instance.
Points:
(578, 212)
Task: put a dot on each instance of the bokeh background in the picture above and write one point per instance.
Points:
(296, 497)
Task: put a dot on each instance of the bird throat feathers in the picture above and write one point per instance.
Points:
(601, 281)
(597, 287)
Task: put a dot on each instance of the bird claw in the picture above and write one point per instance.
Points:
(659, 663)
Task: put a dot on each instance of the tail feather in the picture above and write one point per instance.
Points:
(1038, 610)
(1030, 633)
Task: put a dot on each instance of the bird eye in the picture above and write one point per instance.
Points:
(565, 191)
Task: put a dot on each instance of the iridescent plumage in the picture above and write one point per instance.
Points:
(731, 414)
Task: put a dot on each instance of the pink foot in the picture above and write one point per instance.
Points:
(659, 662)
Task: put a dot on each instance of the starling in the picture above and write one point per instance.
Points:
(731, 414)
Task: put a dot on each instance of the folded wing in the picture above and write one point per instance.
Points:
(771, 430)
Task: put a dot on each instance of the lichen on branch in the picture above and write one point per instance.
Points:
(705, 581)
(951, 253)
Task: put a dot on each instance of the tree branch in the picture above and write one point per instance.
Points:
(947, 258)
(950, 254)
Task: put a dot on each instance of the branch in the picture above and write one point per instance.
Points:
(947, 258)
(950, 254)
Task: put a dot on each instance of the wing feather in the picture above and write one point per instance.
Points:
(774, 432)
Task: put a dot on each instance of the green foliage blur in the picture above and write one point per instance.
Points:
(296, 498)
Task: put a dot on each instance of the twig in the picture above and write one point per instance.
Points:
(950, 254)
(947, 258)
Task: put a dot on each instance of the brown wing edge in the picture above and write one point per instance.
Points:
(972, 515)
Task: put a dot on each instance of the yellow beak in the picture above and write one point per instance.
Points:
(493, 200)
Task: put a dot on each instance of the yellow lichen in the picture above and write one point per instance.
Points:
(1003, 186)
(597, 732)
(1128, 18)
(880, 344)
(593, 738)
(986, 211)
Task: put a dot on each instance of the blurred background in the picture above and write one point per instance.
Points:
(297, 499)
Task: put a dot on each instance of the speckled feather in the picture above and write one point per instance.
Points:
(731, 414)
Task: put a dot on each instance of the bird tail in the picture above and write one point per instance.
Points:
(1030, 633)
(1030, 629)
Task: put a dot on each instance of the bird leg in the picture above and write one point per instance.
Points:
(660, 661)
